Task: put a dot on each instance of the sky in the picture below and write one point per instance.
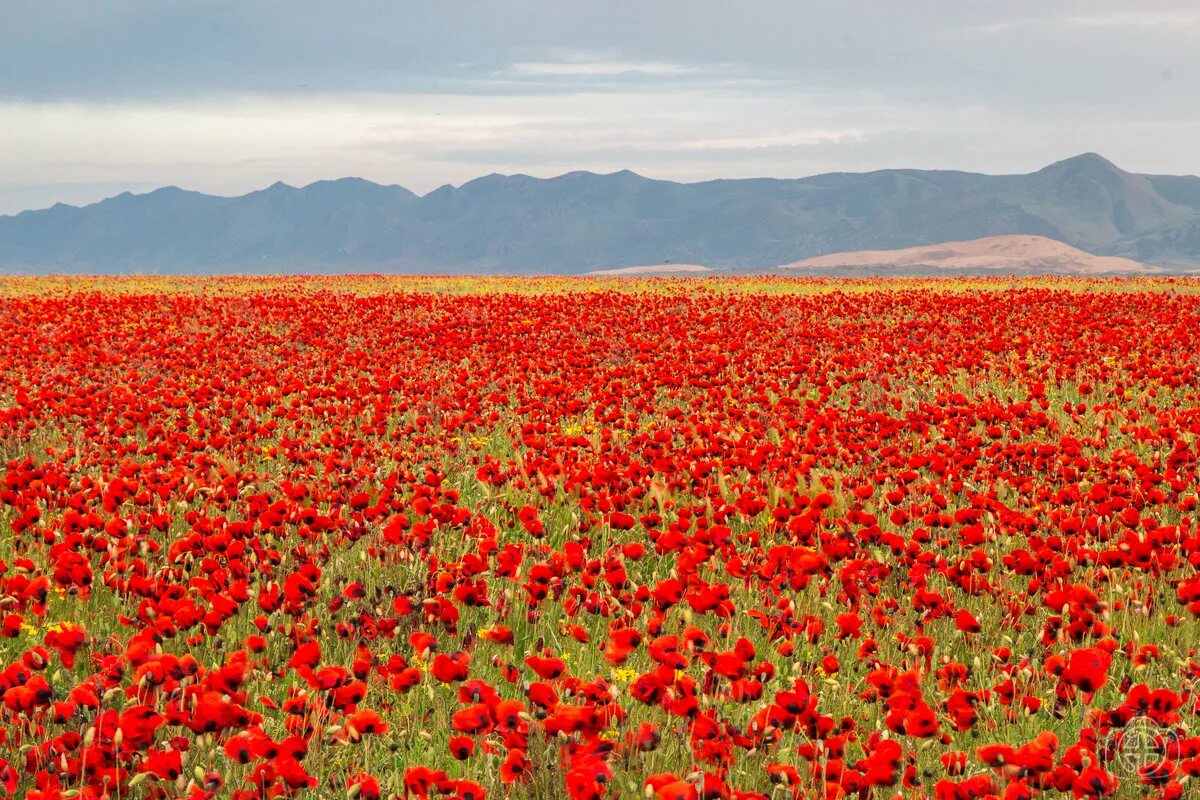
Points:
(97, 98)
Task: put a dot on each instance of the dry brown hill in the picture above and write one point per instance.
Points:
(1013, 253)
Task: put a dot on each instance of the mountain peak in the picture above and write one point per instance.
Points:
(1084, 162)
(349, 180)
(579, 174)
(497, 179)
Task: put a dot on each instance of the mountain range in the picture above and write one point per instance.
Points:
(582, 222)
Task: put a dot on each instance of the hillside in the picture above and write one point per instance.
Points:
(583, 222)
(1006, 254)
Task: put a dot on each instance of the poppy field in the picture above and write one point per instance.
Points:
(756, 539)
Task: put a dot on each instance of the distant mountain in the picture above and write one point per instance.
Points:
(1009, 255)
(582, 222)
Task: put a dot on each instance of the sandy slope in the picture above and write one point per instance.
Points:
(651, 269)
(1015, 253)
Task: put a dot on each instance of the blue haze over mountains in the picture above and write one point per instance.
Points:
(583, 221)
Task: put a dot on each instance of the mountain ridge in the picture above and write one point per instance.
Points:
(584, 221)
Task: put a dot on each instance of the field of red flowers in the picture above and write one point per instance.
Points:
(499, 538)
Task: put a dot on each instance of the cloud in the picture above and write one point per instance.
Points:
(794, 138)
(1137, 19)
(586, 68)
(227, 96)
(240, 142)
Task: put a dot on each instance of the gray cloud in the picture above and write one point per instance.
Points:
(224, 96)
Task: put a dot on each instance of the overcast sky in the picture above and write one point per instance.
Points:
(225, 97)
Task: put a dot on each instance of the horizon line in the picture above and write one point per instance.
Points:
(280, 184)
